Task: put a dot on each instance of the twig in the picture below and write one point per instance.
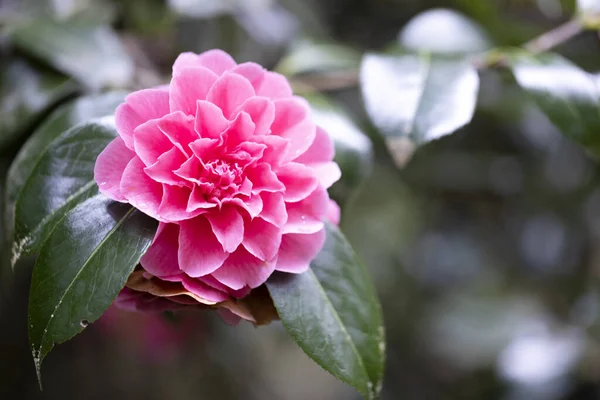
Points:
(555, 37)
(349, 78)
(327, 80)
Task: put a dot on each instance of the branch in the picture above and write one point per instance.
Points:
(349, 78)
(555, 37)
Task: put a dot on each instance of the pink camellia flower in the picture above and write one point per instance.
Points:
(233, 167)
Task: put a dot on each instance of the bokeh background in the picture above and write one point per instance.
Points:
(483, 249)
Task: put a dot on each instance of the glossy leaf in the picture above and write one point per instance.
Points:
(413, 99)
(61, 120)
(308, 57)
(353, 148)
(26, 93)
(332, 312)
(62, 178)
(269, 24)
(92, 54)
(7, 281)
(443, 31)
(568, 96)
(81, 268)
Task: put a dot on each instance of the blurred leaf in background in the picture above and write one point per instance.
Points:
(307, 56)
(413, 99)
(26, 93)
(443, 31)
(566, 94)
(78, 50)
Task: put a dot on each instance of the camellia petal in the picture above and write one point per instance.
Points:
(190, 84)
(274, 208)
(262, 112)
(179, 129)
(275, 86)
(150, 142)
(162, 170)
(276, 151)
(217, 61)
(229, 93)
(240, 129)
(243, 269)
(203, 290)
(299, 181)
(265, 83)
(174, 204)
(293, 122)
(161, 258)
(253, 72)
(307, 215)
(202, 148)
(261, 238)
(228, 227)
(200, 253)
(198, 201)
(253, 205)
(264, 179)
(298, 250)
(321, 150)
(140, 107)
(334, 212)
(327, 173)
(210, 122)
(140, 190)
(214, 283)
(110, 166)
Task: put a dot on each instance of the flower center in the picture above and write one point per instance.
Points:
(221, 179)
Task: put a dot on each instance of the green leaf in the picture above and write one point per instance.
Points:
(26, 93)
(333, 313)
(310, 57)
(413, 99)
(62, 178)
(443, 31)
(92, 54)
(81, 269)
(568, 96)
(353, 148)
(64, 118)
(6, 276)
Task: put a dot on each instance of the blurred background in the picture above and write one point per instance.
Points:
(483, 248)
